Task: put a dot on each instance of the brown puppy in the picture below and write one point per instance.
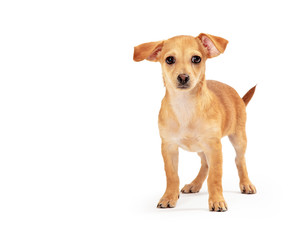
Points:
(195, 114)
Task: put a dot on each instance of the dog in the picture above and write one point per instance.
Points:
(195, 114)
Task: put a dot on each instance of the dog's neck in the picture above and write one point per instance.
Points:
(187, 104)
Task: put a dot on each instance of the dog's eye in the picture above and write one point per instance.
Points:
(170, 60)
(196, 59)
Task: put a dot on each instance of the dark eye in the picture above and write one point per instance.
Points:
(170, 60)
(196, 59)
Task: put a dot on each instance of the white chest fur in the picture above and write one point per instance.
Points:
(184, 109)
(187, 137)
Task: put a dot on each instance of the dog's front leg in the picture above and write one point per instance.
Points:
(170, 156)
(214, 154)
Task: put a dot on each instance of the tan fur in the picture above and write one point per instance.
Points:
(196, 118)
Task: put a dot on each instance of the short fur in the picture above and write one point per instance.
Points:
(196, 118)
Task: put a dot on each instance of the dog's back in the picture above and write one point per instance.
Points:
(233, 106)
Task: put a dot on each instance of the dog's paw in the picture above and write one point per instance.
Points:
(191, 188)
(247, 187)
(168, 201)
(217, 205)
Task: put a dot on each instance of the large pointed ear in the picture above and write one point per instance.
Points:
(149, 51)
(213, 45)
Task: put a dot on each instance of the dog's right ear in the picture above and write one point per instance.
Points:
(149, 51)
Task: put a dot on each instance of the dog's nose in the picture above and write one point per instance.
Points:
(183, 78)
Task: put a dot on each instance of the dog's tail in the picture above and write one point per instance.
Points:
(247, 97)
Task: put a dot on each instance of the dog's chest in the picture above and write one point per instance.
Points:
(183, 126)
(188, 134)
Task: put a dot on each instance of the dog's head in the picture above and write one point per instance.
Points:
(182, 58)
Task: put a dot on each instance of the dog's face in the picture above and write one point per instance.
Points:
(183, 62)
(182, 58)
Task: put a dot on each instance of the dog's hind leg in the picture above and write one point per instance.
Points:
(196, 184)
(239, 142)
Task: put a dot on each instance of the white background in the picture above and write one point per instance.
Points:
(79, 143)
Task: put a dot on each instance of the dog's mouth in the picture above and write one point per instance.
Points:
(185, 86)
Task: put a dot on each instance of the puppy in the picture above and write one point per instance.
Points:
(195, 114)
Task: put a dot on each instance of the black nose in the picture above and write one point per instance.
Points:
(183, 78)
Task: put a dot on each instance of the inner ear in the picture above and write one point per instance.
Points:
(212, 45)
(155, 54)
(149, 51)
(209, 46)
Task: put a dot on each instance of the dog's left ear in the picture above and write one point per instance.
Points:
(213, 45)
(149, 51)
